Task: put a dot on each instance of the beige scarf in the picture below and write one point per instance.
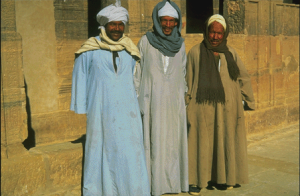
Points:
(107, 44)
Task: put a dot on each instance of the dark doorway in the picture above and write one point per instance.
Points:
(196, 13)
(93, 8)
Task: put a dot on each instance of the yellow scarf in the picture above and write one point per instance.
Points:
(107, 44)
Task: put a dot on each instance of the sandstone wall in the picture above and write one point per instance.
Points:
(38, 41)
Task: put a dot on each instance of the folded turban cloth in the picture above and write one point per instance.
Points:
(112, 13)
(168, 10)
(218, 18)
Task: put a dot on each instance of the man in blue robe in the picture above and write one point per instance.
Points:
(103, 89)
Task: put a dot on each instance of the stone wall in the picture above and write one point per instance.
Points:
(38, 41)
(51, 31)
(13, 98)
(266, 36)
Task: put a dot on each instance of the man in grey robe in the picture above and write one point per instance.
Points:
(162, 87)
(103, 89)
(218, 86)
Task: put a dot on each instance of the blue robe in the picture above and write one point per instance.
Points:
(114, 152)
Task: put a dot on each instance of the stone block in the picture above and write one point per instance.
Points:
(64, 101)
(8, 20)
(58, 127)
(237, 41)
(263, 120)
(64, 165)
(71, 20)
(251, 17)
(23, 175)
(279, 94)
(15, 115)
(275, 60)
(264, 89)
(66, 54)
(3, 129)
(290, 48)
(254, 84)
(293, 113)
(140, 16)
(71, 29)
(263, 16)
(289, 19)
(234, 11)
(16, 150)
(191, 40)
(39, 53)
(11, 61)
(251, 53)
(263, 50)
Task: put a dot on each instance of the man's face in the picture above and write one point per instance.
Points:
(215, 34)
(115, 30)
(167, 23)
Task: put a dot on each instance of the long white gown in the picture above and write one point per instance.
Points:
(161, 100)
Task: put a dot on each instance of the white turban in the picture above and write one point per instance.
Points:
(218, 18)
(112, 13)
(168, 10)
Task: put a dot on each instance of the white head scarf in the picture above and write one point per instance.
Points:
(218, 18)
(112, 13)
(168, 10)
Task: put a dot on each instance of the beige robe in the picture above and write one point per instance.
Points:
(216, 134)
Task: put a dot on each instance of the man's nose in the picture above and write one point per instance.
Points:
(168, 24)
(215, 36)
(117, 27)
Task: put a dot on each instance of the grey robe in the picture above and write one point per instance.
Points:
(161, 100)
(217, 136)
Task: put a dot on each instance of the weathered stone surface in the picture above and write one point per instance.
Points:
(286, 19)
(235, 14)
(8, 22)
(267, 119)
(23, 175)
(11, 60)
(191, 40)
(15, 115)
(264, 89)
(251, 53)
(47, 170)
(293, 112)
(262, 17)
(71, 19)
(58, 127)
(36, 25)
(64, 164)
(3, 129)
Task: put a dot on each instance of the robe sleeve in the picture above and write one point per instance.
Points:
(138, 71)
(79, 85)
(245, 85)
(184, 67)
(189, 76)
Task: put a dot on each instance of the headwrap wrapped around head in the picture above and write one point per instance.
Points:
(210, 87)
(112, 13)
(106, 15)
(167, 45)
(168, 10)
(218, 18)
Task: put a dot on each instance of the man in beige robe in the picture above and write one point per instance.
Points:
(219, 89)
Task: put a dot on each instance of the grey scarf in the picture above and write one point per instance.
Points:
(168, 45)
